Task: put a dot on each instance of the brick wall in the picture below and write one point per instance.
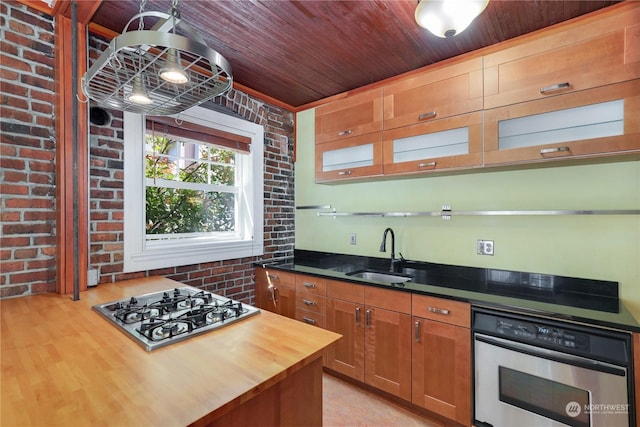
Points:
(233, 278)
(27, 152)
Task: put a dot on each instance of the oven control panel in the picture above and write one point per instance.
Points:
(538, 333)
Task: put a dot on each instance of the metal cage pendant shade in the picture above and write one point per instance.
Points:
(157, 72)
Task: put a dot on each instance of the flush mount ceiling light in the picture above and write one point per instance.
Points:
(158, 71)
(447, 18)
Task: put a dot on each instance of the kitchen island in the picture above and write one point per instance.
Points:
(63, 364)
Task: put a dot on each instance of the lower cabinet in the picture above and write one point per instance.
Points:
(441, 357)
(415, 347)
(376, 329)
(276, 292)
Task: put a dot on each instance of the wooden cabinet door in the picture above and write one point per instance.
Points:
(434, 94)
(596, 122)
(441, 362)
(275, 291)
(347, 355)
(598, 52)
(388, 351)
(356, 157)
(450, 143)
(351, 116)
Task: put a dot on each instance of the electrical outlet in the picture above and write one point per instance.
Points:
(352, 238)
(92, 277)
(485, 247)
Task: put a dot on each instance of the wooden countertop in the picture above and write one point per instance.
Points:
(63, 364)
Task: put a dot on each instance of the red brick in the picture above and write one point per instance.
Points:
(15, 189)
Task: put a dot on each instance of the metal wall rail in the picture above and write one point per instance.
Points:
(447, 213)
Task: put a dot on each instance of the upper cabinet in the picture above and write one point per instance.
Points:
(434, 94)
(597, 53)
(354, 115)
(568, 92)
(597, 122)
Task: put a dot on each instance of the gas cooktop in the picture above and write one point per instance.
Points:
(161, 318)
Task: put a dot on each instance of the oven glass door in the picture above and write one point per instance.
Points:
(523, 385)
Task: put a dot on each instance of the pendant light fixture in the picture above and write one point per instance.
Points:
(447, 18)
(161, 71)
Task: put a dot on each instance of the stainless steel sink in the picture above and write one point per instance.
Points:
(380, 276)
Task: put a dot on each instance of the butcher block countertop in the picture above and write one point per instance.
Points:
(63, 364)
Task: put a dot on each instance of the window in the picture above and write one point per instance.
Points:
(192, 189)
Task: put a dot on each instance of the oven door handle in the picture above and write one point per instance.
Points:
(553, 355)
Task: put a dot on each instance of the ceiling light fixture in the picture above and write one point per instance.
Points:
(447, 18)
(174, 71)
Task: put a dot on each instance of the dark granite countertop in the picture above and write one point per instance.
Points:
(589, 301)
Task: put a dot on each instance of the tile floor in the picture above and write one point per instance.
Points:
(345, 405)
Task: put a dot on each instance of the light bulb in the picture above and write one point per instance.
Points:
(138, 93)
(172, 72)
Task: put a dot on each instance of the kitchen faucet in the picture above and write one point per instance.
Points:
(383, 247)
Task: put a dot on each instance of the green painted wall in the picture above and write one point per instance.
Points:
(593, 246)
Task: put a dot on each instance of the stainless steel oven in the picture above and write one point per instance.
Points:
(538, 372)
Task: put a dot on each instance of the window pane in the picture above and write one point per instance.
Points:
(170, 210)
(188, 161)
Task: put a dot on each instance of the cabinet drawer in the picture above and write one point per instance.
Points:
(345, 291)
(311, 285)
(441, 310)
(311, 317)
(599, 121)
(597, 53)
(276, 277)
(450, 143)
(310, 302)
(388, 299)
(348, 117)
(435, 93)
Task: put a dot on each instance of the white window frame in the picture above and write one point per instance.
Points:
(140, 254)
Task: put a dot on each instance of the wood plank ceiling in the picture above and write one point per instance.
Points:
(299, 52)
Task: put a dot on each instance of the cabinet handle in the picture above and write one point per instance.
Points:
(309, 285)
(438, 310)
(553, 88)
(357, 315)
(275, 295)
(416, 328)
(344, 172)
(429, 115)
(273, 276)
(367, 318)
(309, 320)
(308, 302)
(553, 150)
(424, 165)
(345, 132)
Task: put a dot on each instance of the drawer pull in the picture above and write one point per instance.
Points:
(309, 320)
(553, 88)
(345, 132)
(308, 302)
(429, 115)
(357, 315)
(553, 150)
(416, 328)
(273, 276)
(344, 173)
(309, 285)
(427, 164)
(438, 310)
